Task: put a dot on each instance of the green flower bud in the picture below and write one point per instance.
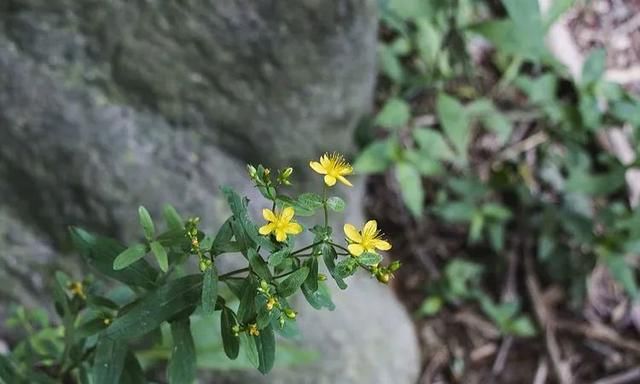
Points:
(383, 277)
(290, 313)
(394, 266)
(322, 277)
(287, 172)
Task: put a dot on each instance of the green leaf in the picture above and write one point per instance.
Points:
(346, 267)
(530, 29)
(247, 308)
(278, 257)
(209, 290)
(89, 328)
(430, 306)
(161, 255)
(182, 365)
(594, 66)
(475, 230)
(258, 265)
(335, 204)
(100, 252)
(627, 111)
(455, 123)
(375, 158)
(320, 298)
(146, 222)
(394, 114)
(109, 360)
(329, 256)
(522, 326)
(173, 218)
(432, 145)
(455, 211)
(311, 282)
(595, 184)
(175, 297)
(132, 372)
(8, 372)
(249, 344)
(624, 274)
(222, 242)
(129, 256)
(230, 342)
(411, 188)
(288, 286)
(389, 63)
(266, 344)
(311, 201)
(369, 259)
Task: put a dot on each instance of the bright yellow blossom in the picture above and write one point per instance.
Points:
(334, 167)
(280, 223)
(368, 240)
(253, 330)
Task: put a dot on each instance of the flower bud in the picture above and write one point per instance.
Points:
(252, 171)
(322, 277)
(253, 330)
(264, 285)
(290, 313)
(287, 172)
(394, 266)
(383, 277)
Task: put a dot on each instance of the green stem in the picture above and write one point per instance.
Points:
(285, 274)
(228, 274)
(305, 248)
(341, 247)
(324, 205)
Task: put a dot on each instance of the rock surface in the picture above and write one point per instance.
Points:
(108, 105)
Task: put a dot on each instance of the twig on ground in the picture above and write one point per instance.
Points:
(542, 372)
(437, 362)
(630, 376)
(501, 358)
(561, 368)
(598, 332)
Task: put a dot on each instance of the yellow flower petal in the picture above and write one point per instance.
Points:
(325, 161)
(287, 215)
(280, 235)
(343, 180)
(352, 233)
(329, 180)
(381, 244)
(266, 229)
(355, 249)
(293, 228)
(346, 170)
(370, 228)
(317, 167)
(268, 215)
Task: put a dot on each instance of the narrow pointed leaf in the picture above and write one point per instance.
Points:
(146, 222)
(289, 285)
(129, 256)
(109, 360)
(266, 344)
(182, 366)
(230, 342)
(173, 218)
(161, 255)
(210, 290)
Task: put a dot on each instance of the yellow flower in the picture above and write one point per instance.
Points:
(271, 303)
(280, 223)
(253, 330)
(334, 167)
(368, 240)
(77, 288)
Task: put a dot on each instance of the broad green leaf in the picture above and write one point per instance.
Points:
(430, 306)
(182, 365)
(432, 144)
(311, 282)
(278, 257)
(369, 259)
(530, 29)
(557, 9)
(424, 164)
(222, 242)
(346, 267)
(209, 290)
(230, 341)
(129, 256)
(173, 218)
(132, 372)
(375, 158)
(250, 347)
(288, 286)
(409, 9)
(595, 184)
(627, 111)
(320, 298)
(492, 120)
(299, 209)
(109, 360)
(394, 114)
(247, 308)
(175, 297)
(100, 252)
(389, 63)
(161, 255)
(456, 211)
(311, 201)
(522, 326)
(594, 66)
(475, 229)
(258, 265)
(541, 90)
(266, 344)
(8, 372)
(89, 328)
(335, 204)
(455, 123)
(411, 188)
(329, 256)
(146, 222)
(624, 274)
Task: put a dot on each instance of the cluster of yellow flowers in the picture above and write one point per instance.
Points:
(334, 168)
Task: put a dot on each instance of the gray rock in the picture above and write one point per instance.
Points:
(105, 106)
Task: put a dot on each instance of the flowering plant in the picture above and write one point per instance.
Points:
(99, 331)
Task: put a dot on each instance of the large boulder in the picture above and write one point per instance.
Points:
(108, 105)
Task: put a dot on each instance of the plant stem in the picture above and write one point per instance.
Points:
(324, 204)
(285, 274)
(305, 248)
(341, 247)
(228, 274)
